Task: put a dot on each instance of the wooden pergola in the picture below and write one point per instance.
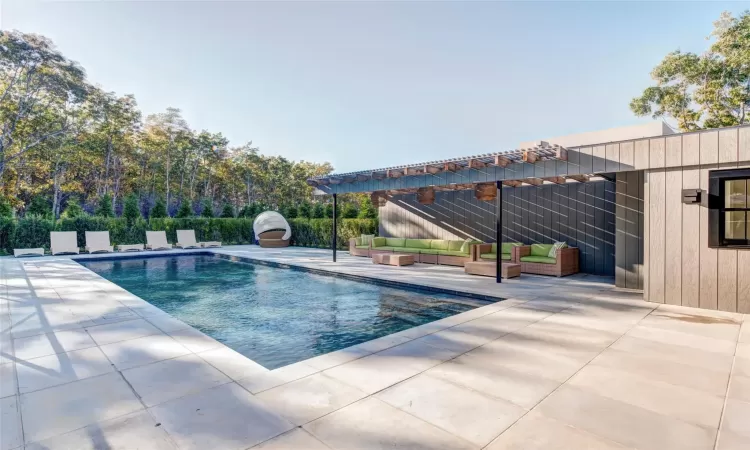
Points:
(486, 190)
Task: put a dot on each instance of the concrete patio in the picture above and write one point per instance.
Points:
(562, 363)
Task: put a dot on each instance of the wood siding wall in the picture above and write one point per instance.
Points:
(680, 267)
(581, 214)
(629, 230)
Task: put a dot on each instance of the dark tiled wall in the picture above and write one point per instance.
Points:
(582, 214)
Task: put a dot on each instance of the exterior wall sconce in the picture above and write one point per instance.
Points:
(691, 196)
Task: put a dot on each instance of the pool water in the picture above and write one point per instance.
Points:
(275, 316)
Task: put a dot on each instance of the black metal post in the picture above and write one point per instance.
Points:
(499, 232)
(333, 243)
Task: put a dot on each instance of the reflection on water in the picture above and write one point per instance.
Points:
(275, 316)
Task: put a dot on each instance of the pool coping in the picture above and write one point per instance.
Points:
(299, 268)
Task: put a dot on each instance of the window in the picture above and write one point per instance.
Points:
(729, 203)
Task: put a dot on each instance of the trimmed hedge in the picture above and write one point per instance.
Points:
(32, 232)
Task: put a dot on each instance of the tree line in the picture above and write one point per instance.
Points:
(70, 148)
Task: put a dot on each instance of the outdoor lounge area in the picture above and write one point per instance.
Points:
(582, 365)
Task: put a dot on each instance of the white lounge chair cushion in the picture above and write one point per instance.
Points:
(98, 241)
(18, 252)
(63, 242)
(186, 239)
(210, 244)
(157, 239)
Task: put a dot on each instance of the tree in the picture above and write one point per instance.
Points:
(704, 91)
(366, 209)
(208, 209)
(159, 210)
(185, 210)
(291, 212)
(305, 210)
(318, 211)
(228, 211)
(104, 207)
(131, 210)
(40, 207)
(6, 210)
(40, 90)
(349, 211)
(73, 209)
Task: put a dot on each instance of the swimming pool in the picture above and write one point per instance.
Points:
(276, 316)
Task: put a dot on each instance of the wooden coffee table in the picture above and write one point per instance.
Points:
(393, 259)
(487, 269)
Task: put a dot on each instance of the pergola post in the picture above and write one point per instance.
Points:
(333, 242)
(499, 232)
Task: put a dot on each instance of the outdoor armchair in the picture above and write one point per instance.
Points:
(98, 242)
(535, 259)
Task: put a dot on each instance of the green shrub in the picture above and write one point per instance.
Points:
(73, 209)
(185, 210)
(367, 210)
(208, 209)
(131, 211)
(104, 207)
(319, 232)
(305, 210)
(291, 212)
(159, 210)
(318, 211)
(7, 228)
(6, 210)
(349, 211)
(32, 231)
(227, 212)
(39, 207)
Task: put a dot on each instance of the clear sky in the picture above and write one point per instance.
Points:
(373, 84)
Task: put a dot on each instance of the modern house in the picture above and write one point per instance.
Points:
(666, 213)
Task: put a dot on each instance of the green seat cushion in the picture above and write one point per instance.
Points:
(538, 259)
(387, 248)
(541, 249)
(439, 244)
(455, 246)
(362, 246)
(418, 243)
(398, 242)
(452, 253)
(429, 251)
(493, 256)
(407, 249)
(378, 242)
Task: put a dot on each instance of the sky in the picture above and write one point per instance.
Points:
(366, 85)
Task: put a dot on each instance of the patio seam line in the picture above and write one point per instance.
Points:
(17, 393)
(574, 374)
(729, 386)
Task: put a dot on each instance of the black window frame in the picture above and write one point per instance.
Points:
(717, 209)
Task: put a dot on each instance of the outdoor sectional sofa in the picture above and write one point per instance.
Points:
(535, 259)
(488, 252)
(429, 251)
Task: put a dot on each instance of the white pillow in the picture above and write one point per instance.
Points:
(557, 246)
(366, 238)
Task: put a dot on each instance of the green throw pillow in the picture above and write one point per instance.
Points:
(555, 247)
(366, 239)
(465, 245)
(358, 241)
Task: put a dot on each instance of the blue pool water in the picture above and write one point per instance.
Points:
(275, 316)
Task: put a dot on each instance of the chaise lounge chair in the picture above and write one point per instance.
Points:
(98, 242)
(64, 243)
(186, 239)
(157, 240)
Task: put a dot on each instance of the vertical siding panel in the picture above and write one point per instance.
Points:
(691, 243)
(641, 228)
(728, 146)
(709, 258)
(657, 234)
(657, 153)
(727, 273)
(691, 150)
(621, 249)
(673, 236)
(673, 154)
(599, 154)
(641, 154)
(613, 158)
(743, 281)
(744, 144)
(626, 155)
(646, 234)
(709, 147)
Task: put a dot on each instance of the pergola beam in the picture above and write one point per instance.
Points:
(502, 161)
(476, 164)
(555, 180)
(451, 167)
(578, 178)
(394, 173)
(432, 169)
(533, 181)
(530, 156)
(512, 183)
